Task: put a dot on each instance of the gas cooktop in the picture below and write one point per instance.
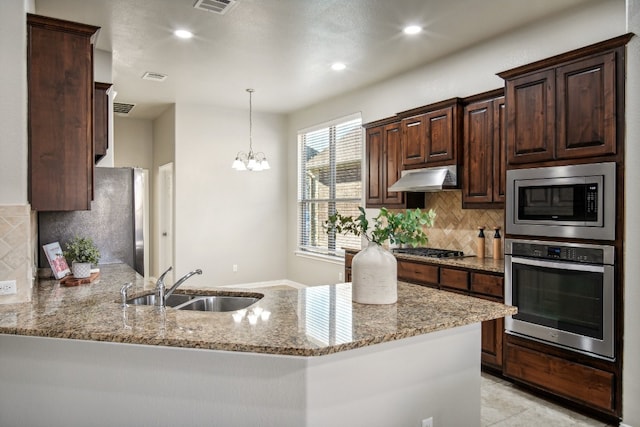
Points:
(430, 252)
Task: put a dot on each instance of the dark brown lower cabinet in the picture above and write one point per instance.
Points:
(492, 332)
(348, 258)
(415, 272)
(589, 383)
(492, 338)
(454, 280)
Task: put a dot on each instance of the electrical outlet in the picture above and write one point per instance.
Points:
(427, 422)
(8, 287)
(235, 268)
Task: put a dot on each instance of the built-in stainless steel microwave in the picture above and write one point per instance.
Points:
(576, 201)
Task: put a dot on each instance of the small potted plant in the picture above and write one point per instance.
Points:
(82, 253)
(374, 269)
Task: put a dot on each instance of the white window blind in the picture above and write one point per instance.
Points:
(330, 180)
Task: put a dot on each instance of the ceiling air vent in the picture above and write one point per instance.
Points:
(122, 108)
(216, 6)
(156, 77)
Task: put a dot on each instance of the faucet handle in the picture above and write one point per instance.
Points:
(160, 280)
(123, 292)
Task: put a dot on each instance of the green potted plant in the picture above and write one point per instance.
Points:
(374, 269)
(82, 253)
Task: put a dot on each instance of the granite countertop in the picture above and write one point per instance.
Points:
(313, 321)
(469, 262)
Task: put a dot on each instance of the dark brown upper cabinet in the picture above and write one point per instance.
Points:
(60, 92)
(530, 116)
(383, 165)
(101, 128)
(431, 135)
(586, 107)
(483, 148)
(567, 107)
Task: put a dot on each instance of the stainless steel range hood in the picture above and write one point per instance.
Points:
(427, 179)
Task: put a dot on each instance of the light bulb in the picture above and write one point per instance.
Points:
(412, 29)
(183, 34)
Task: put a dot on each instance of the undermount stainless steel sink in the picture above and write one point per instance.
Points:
(218, 303)
(215, 303)
(170, 301)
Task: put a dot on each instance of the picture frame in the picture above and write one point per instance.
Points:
(55, 256)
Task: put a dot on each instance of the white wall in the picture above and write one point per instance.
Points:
(225, 217)
(13, 103)
(466, 73)
(134, 140)
(164, 131)
(631, 366)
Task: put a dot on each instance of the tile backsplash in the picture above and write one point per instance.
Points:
(457, 228)
(16, 255)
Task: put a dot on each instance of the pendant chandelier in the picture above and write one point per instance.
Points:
(250, 161)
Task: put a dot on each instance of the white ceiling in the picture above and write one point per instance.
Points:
(282, 48)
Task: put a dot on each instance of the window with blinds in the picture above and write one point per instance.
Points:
(330, 180)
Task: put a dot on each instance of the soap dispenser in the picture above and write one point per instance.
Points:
(497, 244)
(480, 242)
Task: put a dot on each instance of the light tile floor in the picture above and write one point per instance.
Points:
(505, 405)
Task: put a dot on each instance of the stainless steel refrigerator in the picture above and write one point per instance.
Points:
(116, 222)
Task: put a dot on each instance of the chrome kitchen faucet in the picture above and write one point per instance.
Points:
(161, 294)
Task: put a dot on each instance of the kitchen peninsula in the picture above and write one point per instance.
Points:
(316, 359)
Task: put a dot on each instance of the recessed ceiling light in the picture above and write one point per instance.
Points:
(338, 66)
(412, 29)
(183, 34)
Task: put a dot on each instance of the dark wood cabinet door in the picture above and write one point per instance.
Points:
(383, 165)
(440, 136)
(499, 150)
(392, 164)
(586, 107)
(490, 287)
(101, 127)
(530, 117)
(413, 140)
(492, 333)
(485, 161)
(375, 150)
(478, 153)
(60, 87)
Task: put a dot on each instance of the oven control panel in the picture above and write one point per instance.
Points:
(571, 252)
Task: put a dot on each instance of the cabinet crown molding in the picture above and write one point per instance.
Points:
(576, 54)
(56, 24)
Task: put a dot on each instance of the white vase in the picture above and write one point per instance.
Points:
(81, 270)
(374, 272)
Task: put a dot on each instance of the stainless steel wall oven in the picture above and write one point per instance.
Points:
(564, 293)
(575, 201)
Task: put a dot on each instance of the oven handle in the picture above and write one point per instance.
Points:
(558, 265)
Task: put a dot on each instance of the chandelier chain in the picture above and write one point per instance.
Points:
(250, 120)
